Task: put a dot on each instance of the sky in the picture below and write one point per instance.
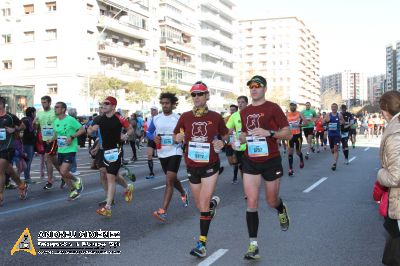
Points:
(353, 34)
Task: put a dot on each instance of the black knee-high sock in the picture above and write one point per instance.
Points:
(205, 221)
(150, 163)
(252, 223)
(301, 156)
(279, 208)
(290, 161)
(346, 154)
(235, 171)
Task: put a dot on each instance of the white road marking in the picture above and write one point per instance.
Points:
(155, 188)
(366, 149)
(315, 185)
(352, 159)
(213, 258)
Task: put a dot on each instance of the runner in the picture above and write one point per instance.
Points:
(308, 128)
(263, 122)
(325, 130)
(295, 118)
(44, 121)
(199, 129)
(9, 125)
(320, 132)
(334, 120)
(66, 131)
(353, 132)
(110, 126)
(170, 154)
(234, 125)
(151, 146)
(344, 130)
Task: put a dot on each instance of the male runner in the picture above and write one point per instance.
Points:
(151, 146)
(199, 129)
(263, 122)
(334, 120)
(308, 127)
(345, 130)
(320, 131)
(169, 153)
(295, 118)
(353, 132)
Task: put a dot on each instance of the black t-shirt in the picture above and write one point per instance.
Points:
(110, 130)
(347, 118)
(29, 137)
(7, 139)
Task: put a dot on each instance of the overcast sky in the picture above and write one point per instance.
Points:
(353, 34)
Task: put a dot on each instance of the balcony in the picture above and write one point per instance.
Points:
(186, 48)
(123, 28)
(172, 19)
(121, 51)
(215, 50)
(217, 5)
(217, 68)
(126, 73)
(187, 67)
(218, 84)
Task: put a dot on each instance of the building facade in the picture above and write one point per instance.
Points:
(285, 52)
(354, 88)
(393, 67)
(333, 81)
(376, 87)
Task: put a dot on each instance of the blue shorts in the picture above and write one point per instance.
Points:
(334, 140)
(66, 157)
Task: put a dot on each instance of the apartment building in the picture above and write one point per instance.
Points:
(354, 88)
(393, 67)
(286, 52)
(376, 87)
(333, 81)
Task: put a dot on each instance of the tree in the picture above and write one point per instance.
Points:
(176, 90)
(102, 86)
(137, 91)
(277, 96)
(329, 97)
(231, 97)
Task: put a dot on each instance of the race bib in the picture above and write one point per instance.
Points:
(345, 134)
(199, 152)
(111, 155)
(2, 134)
(47, 131)
(231, 139)
(294, 125)
(257, 146)
(61, 141)
(167, 140)
(332, 126)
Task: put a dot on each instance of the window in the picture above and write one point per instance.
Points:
(29, 36)
(51, 61)
(7, 64)
(6, 12)
(29, 9)
(29, 63)
(6, 38)
(89, 6)
(52, 88)
(51, 34)
(51, 6)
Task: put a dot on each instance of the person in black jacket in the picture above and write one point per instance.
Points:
(28, 140)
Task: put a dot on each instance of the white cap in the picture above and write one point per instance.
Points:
(154, 107)
(293, 102)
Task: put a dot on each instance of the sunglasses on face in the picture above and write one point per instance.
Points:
(56, 107)
(194, 94)
(255, 86)
(106, 103)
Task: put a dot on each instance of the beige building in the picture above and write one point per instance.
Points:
(286, 53)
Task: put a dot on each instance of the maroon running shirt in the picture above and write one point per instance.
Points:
(203, 129)
(266, 116)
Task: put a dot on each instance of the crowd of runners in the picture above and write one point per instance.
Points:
(250, 136)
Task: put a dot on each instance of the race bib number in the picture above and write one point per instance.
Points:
(345, 134)
(111, 155)
(257, 146)
(48, 132)
(166, 140)
(332, 126)
(199, 152)
(61, 141)
(2, 134)
(231, 139)
(294, 125)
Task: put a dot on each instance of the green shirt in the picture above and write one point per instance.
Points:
(64, 129)
(309, 114)
(46, 120)
(235, 123)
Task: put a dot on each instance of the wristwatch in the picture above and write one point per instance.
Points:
(272, 133)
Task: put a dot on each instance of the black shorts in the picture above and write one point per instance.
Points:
(50, 148)
(195, 174)
(98, 160)
(151, 144)
(7, 154)
(112, 167)
(296, 139)
(334, 140)
(352, 131)
(239, 157)
(229, 150)
(308, 131)
(171, 163)
(320, 135)
(66, 157)
(270, 170)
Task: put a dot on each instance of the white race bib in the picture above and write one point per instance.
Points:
(257, 146)
(199, 152)
(47, 131)
(61, 141)
(2, 134)
(167, 140)
(111, 155)
(345, 134)
(332, 126)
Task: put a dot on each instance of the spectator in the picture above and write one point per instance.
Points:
(29, 140)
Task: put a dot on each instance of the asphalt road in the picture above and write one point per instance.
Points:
(334, 222)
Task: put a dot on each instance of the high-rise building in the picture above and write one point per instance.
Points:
(56, 47)
(286, 52)
(376, 87)
(393, 67)
(354, 88)
(333, 81)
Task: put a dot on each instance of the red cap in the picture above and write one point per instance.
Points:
(199, 87)
(112, 100)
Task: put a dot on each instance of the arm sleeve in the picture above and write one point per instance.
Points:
(242, 120)
(151, 130)
(76, 125)
(390, 176)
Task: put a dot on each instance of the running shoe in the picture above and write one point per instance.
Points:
(75, 173)
(346, 162)
(73, 195)
(354, 146)
(104, 211)
(333, 167)
(284, 218)
(252, 253)
(290, 172)
(221, 170)
(235, 181)
(199, 251)
(78, 184)
(29, 181)
(128, 194)
(23, 190)
(185, 198)
(160, 215)
(11, 186)
(307, 155)
(48, 186)
(313, 149)
(104, 203)
(301, 164)
(213, 206)
(62, 185)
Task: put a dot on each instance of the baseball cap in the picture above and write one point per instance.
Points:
(154, 107)
(293, 103)
(258, 79)
(199, 86)
(112, 100)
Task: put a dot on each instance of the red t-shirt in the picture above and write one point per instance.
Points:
(319, 125)
(204, 128)
(267, 116)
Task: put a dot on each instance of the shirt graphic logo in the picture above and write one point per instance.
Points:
(199, 131)
(253, 122)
